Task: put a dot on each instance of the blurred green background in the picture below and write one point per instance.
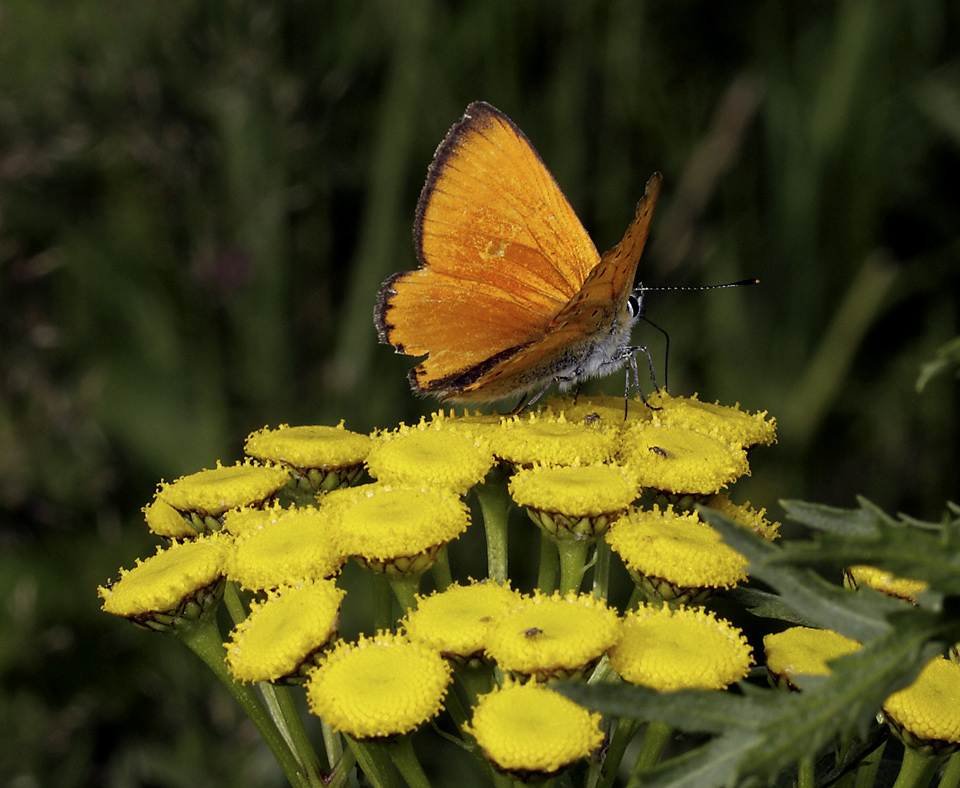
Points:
(198, 201)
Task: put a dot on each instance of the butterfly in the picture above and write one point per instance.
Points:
(511, 296)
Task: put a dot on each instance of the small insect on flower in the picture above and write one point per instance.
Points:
(661, 451)
(532, 632)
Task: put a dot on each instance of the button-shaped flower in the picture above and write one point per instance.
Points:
(578, 501)
(396, 530)
(180, 582)
(683, 648)
(457, 620)
(378, 687)
(283, 633)
(548, 637)
(533, 732)
(553, 441)
(675, 556)
(321, 458)
(803, 651)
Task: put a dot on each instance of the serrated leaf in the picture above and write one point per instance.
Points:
(763, 732)
(813, 599)
(832, 519)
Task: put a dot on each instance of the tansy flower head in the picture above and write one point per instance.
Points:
(453, 460)
(248, 519)
(579, 501)
(726, 424)
(379, 687)
(884, 582)
(607, 411)
(553, 441)
(179, 582)
(298, 545)
(167, 522)
(681, 461)
(926, 715)
(685, 648)
(744, 515)
(284, 632)
(456, 621)
(547, 637)
(479, 426)
(531, 731)
(206, 495)
(675, 556)
(803, 651)
(397, 530)
(321, 458)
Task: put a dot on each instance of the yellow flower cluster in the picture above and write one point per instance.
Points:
(272, 533)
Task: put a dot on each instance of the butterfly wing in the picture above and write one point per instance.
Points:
(501, 253)
(588, 321)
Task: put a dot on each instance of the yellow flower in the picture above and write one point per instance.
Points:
(927, 713)
(681, 461)
(576, 500)
(422, 455)
(164, 520)
(686, 648)
(396, 530)
(804, 651)
(297, 546)
(675, 556)
(322, 458)
(885, 582)
(284, 632)
(726, 424)
(608, 411)
(178, 582)
(548, 637)
(457, 620)
(744, 515)
(553, 441)
(204, 496)
(379, 687)
(529, 730)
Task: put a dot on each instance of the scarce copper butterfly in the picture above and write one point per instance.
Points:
(511, 295)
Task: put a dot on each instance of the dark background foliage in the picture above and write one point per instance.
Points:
(198, 201)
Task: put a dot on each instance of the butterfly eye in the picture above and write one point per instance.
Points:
(634, 304)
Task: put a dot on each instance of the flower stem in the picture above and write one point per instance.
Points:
(916, 769)
(442, 576)
(622, 736)
(654, 740)
(951, 774)
(867, 771)
(203, 639)
(405, 759)
(495, 506)
(806, 774)
(547, 576)
(601, 572)
(405, 589)
(374, 763)
(573, 557)
(382, 602)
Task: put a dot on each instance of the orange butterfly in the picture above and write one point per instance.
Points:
(511, 295)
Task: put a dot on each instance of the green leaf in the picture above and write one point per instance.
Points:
(948, 357)
(764, 731)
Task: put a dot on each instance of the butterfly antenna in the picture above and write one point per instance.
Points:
(666, 352)
(741, 283)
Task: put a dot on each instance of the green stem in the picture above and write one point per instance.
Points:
(442, 575)
(806, 773)
(235, 606)
(495, 506)
(549, 560)
(951, 774)
(405, 759)
(601, 572)
(374, 763)
(476, 680)
(654, 740)
(573, 557)
(406, 589)
(333, 744)
(203, 639)
(341, 771)
(301, 745)
(867, 771)
(622, 736)
(382, 602)
(916, 769)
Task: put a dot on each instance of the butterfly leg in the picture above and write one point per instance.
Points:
(524, 403)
